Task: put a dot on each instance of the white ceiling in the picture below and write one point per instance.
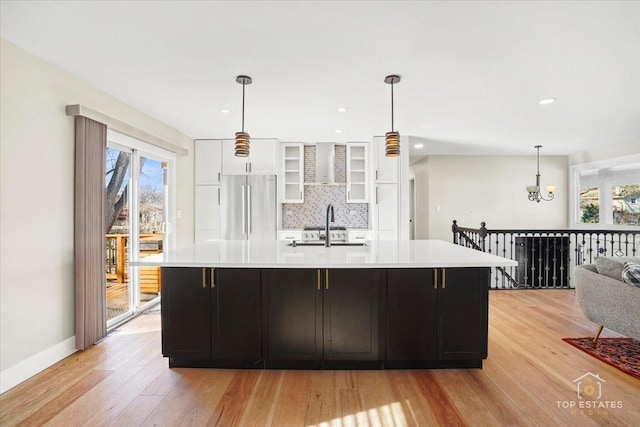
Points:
(472, 72)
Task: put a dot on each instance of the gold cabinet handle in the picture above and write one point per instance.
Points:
(318, 279)
(326, 279)
(213, 278)
(444, 278)
(435, 278)
(204, 277)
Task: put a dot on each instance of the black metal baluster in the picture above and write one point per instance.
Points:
(563, 253)
(554, 259)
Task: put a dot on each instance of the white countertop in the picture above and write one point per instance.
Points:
(276, 254)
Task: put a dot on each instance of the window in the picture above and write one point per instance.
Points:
(608, 193)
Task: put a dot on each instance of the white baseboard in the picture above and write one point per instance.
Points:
(27, 368)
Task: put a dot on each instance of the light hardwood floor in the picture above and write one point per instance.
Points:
(124, 381)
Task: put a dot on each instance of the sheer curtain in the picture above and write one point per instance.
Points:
(89, 247)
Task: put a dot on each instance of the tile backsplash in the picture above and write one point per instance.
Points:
(340, 167)
(316, 198)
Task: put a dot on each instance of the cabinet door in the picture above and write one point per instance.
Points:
(231, 164)
(386, 211)
(291, 174)
(236, 315)
(208, 161)
(263, 155)
(294, 310)
(357, 173)
(185, 314)
(411, 315)
(385, 168)
(207, 213)
(351, 315)
(262, 160)
(463, 304)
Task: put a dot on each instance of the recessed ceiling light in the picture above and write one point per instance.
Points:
(338, 131)
(418, 146)
(342, 109)
(426, 126)
(547, 101)
(225, 110)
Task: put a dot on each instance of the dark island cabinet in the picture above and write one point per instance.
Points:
(412, 315)
(321, 317)
(351, 310)
(339, 318)
(463, 305)
(294, 315)
(186, 313)
(211, 317)
(437, 316)
(235, 315)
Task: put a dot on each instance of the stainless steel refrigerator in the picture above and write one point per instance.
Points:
(248, 207)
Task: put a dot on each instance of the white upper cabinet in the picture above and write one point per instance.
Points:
(291, 174)
(208, 161)
(357, 172)
(263, 157)
(385, 169)
(232, 165)
(262, 160)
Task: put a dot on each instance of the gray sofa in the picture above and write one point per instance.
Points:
(608, 302)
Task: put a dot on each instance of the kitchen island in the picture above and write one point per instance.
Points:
(265, 304)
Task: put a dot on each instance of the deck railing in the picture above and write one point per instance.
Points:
(545, 257)
(117, 253)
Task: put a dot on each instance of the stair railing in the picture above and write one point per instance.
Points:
(545, 257)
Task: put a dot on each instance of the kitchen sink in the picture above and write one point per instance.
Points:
(322, 244)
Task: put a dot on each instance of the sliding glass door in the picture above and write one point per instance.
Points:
(118, 227)
(152, 210)
(138, 223)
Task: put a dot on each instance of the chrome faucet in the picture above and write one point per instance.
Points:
(327, 240)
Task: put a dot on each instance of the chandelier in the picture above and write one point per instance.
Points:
(534, 190)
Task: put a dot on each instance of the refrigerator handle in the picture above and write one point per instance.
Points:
(249, 212)
(244, 211)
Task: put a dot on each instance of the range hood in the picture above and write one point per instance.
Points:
(325, 163)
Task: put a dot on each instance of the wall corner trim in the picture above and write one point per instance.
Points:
(29, 367)
(124, 128)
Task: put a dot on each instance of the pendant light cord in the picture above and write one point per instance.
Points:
(243, 84)
(392, 128)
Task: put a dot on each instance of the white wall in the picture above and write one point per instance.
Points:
(36, 190)
(605, 152)
(472, 189)
(420, 171)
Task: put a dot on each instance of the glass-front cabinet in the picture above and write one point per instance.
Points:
(357, 173)
(292, 167)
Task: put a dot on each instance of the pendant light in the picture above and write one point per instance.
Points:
(242, 138)
(534, 190)
(392, 139)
